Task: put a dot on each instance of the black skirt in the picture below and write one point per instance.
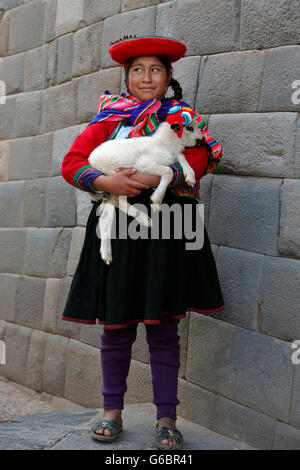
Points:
(149, 276)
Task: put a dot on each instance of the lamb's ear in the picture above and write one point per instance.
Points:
(175, 126)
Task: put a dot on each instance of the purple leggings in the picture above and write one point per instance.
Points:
(164, 352)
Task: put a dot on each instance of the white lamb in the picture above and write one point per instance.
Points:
(152, 155)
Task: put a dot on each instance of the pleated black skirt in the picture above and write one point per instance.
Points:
(148, 277)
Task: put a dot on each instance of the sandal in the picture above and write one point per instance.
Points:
(165, 433)
(112, 426)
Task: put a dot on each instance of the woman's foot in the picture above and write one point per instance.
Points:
(167, 422)
(114, 415)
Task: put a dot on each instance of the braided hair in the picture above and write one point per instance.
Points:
(167, 64)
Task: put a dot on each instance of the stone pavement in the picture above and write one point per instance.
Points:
(29, 420)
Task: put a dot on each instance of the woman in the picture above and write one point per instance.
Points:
(153, 281)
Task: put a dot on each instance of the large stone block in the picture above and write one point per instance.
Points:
(36, 359)
(83, 375)
(6, 4)
(244, 213)
(60, 207)
(91, 334)
(295, 406)
(286, 437)
(65, 58)
(165, 19)
(8, 117)
(15, 368)
(281, 69)
(27, 121)
(8, 288)
(4, 33)
(139, 22)
(289, 236)
(64, 327)
(55, 365)
(225, 81)
(260, 149)
(132, 4)
(46, 252)
(194, 23)
(91, 87)
(244, 366)
(84, 207)
(267, 24)
(185, 71)
(279, 298)
(69, 16)
(12, 73)
(11, 196)
(50, 17)
(95, 10)
(62, 141)
(34, 202)
(205, 194)
(240, 422)
(4, 159)
(59, 107)
(26, 27)
(12, 249)
(196, 403)
(240, 273)
(30, 301)
(51, 305)
(52, 55)
(35, 77)
(78, 234)
(87, 50)
(139, 373)
(297, 151)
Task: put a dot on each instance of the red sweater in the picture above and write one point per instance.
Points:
(77, 171)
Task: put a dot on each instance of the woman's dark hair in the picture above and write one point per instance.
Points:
(167, 64)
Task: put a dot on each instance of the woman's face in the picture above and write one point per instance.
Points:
(148, 78)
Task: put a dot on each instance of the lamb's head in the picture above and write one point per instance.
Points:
(185, 126)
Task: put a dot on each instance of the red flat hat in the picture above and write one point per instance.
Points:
(127, 48)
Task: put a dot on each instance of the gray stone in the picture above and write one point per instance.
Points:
(132, 4)
(60, 208)
(51, 72)
(205, 194)
(6, 4)
(196, 403)
(28, 104)
(244, 366)
(65, 58)
(4, 33)
(142, 23)
(165, 19)
(42, 155)
(286, 437)
(83, 375)
(90, 334)
(12, 73)
(186, 73)
(51, 305)
(225, 81)
(68, 18)
(50, 17)
(297, 151)
(295, 402)
(281, 69)
(91, 87)
(58, 113)
(12, 245)
(46, 252)
(266, 25)
(240, 274)
(27, 27)
(289, 236)
(95, 11)
(8, 117)
(240, 422)
(34, 203)
(4, 159)
(78, 234)
(55, 365)
(194, 23)
(2, 334)
(84, 207)
(260, 149)
(183, 330)
(35, 69)
(36, 358)
(16, 357)
(279, 298)
(30, 301)
(11, 196)
(62, 141)
(87, 50)
(8, 289)
(139, 373)
(140, 348)
(253, 205)
(65, 327)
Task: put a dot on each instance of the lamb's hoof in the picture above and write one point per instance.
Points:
(107, 258)
(190, 180)
(155, 207)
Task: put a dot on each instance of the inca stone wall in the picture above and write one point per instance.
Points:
(237, 376)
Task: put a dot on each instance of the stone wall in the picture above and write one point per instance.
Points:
(236, 374)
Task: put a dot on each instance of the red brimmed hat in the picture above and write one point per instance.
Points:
(129, 47)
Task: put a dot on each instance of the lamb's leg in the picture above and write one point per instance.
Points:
(166, 177)
(123, 205)
(189, 174)
(105, 223)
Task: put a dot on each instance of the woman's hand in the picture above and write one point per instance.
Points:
(120, 184)
(152, 181)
